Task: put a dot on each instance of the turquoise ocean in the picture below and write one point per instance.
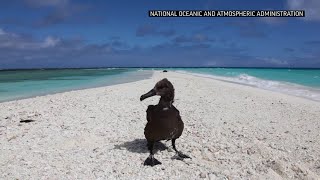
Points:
(298, 82)
(20, 84)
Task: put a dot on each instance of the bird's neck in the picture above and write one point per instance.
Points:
(165, 102)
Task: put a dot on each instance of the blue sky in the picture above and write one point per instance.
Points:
(105, 33)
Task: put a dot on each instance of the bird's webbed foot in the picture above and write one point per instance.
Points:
(180, 156)
(151, 161)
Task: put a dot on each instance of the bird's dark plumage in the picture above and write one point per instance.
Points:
(163, 124)
(163, 120)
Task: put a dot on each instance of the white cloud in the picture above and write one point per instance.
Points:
(275, 61)
(16, 41)
(312, 8)
(50, 42)
(2, 32)
(210, 63)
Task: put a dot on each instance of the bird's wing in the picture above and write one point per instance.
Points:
(149, 112)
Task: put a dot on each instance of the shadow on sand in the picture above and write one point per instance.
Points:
(140, 146)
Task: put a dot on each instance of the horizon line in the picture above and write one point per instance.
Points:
(148, 67)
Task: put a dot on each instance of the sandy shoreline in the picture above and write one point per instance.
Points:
(231, 131)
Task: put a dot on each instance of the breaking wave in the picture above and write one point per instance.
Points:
(277, 86)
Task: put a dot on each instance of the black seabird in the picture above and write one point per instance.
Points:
(164, 121)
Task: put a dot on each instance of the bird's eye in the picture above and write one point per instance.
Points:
(161, 87)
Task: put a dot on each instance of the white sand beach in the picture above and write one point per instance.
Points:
(231, 131)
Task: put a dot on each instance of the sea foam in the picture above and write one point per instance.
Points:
(277, 86)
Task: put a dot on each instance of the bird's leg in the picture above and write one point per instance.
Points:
(179, 155)
(151, 161)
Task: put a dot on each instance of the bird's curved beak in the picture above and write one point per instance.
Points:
(152, 92)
